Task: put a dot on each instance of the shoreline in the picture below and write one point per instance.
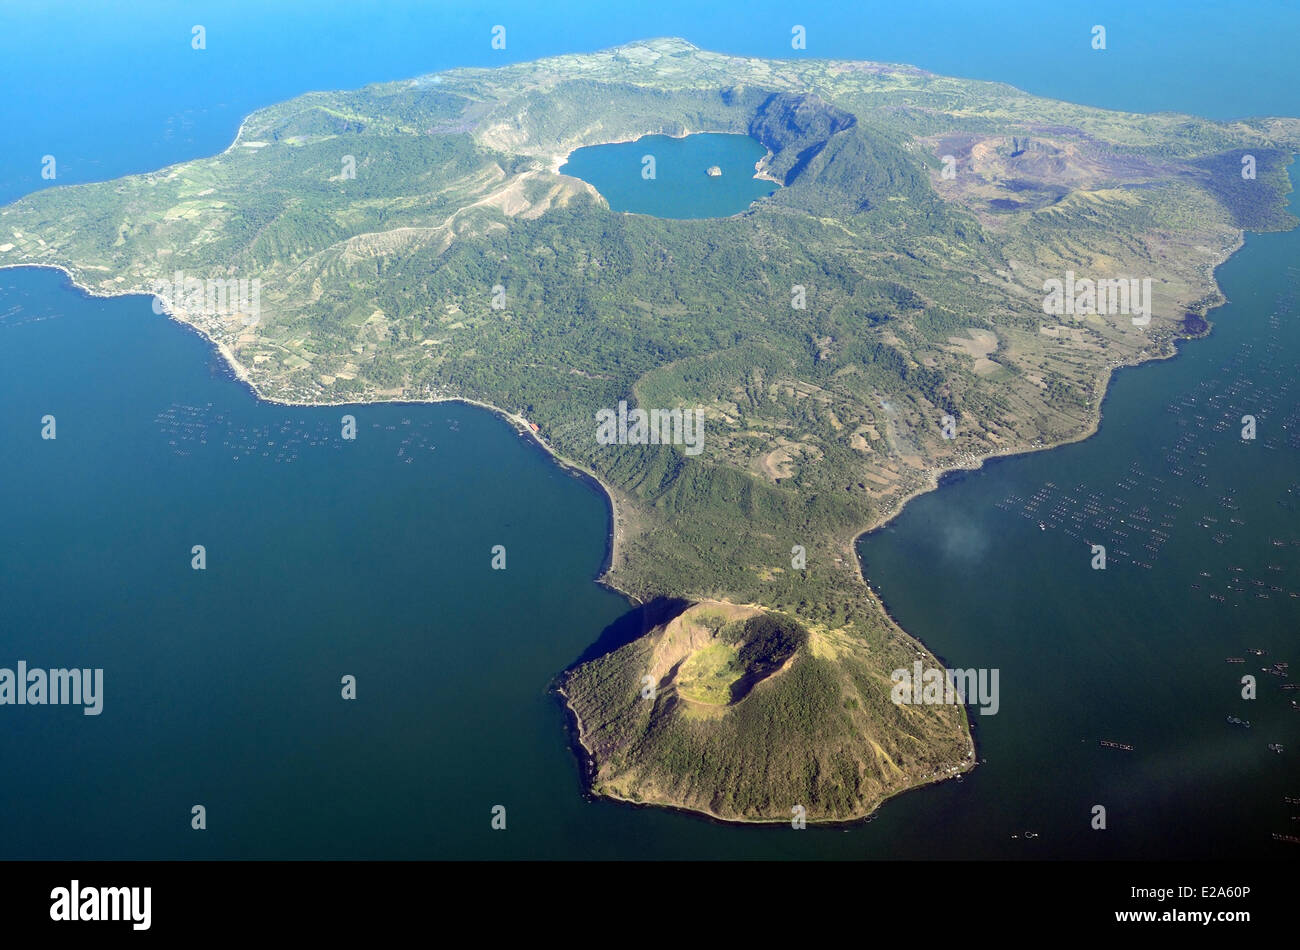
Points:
(587, 764)
(558, 161)
(521, 425)
(933, 481)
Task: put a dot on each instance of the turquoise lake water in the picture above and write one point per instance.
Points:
(372, 558)
(674, 182)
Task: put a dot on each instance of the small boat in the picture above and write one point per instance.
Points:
(1275, 747)
(1233, 720)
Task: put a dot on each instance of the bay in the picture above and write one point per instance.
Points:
(1202, 532)
(324, 558)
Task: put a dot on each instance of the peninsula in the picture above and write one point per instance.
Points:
(882, 318)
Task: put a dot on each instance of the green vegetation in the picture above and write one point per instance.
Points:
(921, 296)
(708, 676)
(814, 725)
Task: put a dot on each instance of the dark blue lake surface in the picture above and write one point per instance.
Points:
(324, 558)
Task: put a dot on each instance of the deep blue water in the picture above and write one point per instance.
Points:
(222, 686)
